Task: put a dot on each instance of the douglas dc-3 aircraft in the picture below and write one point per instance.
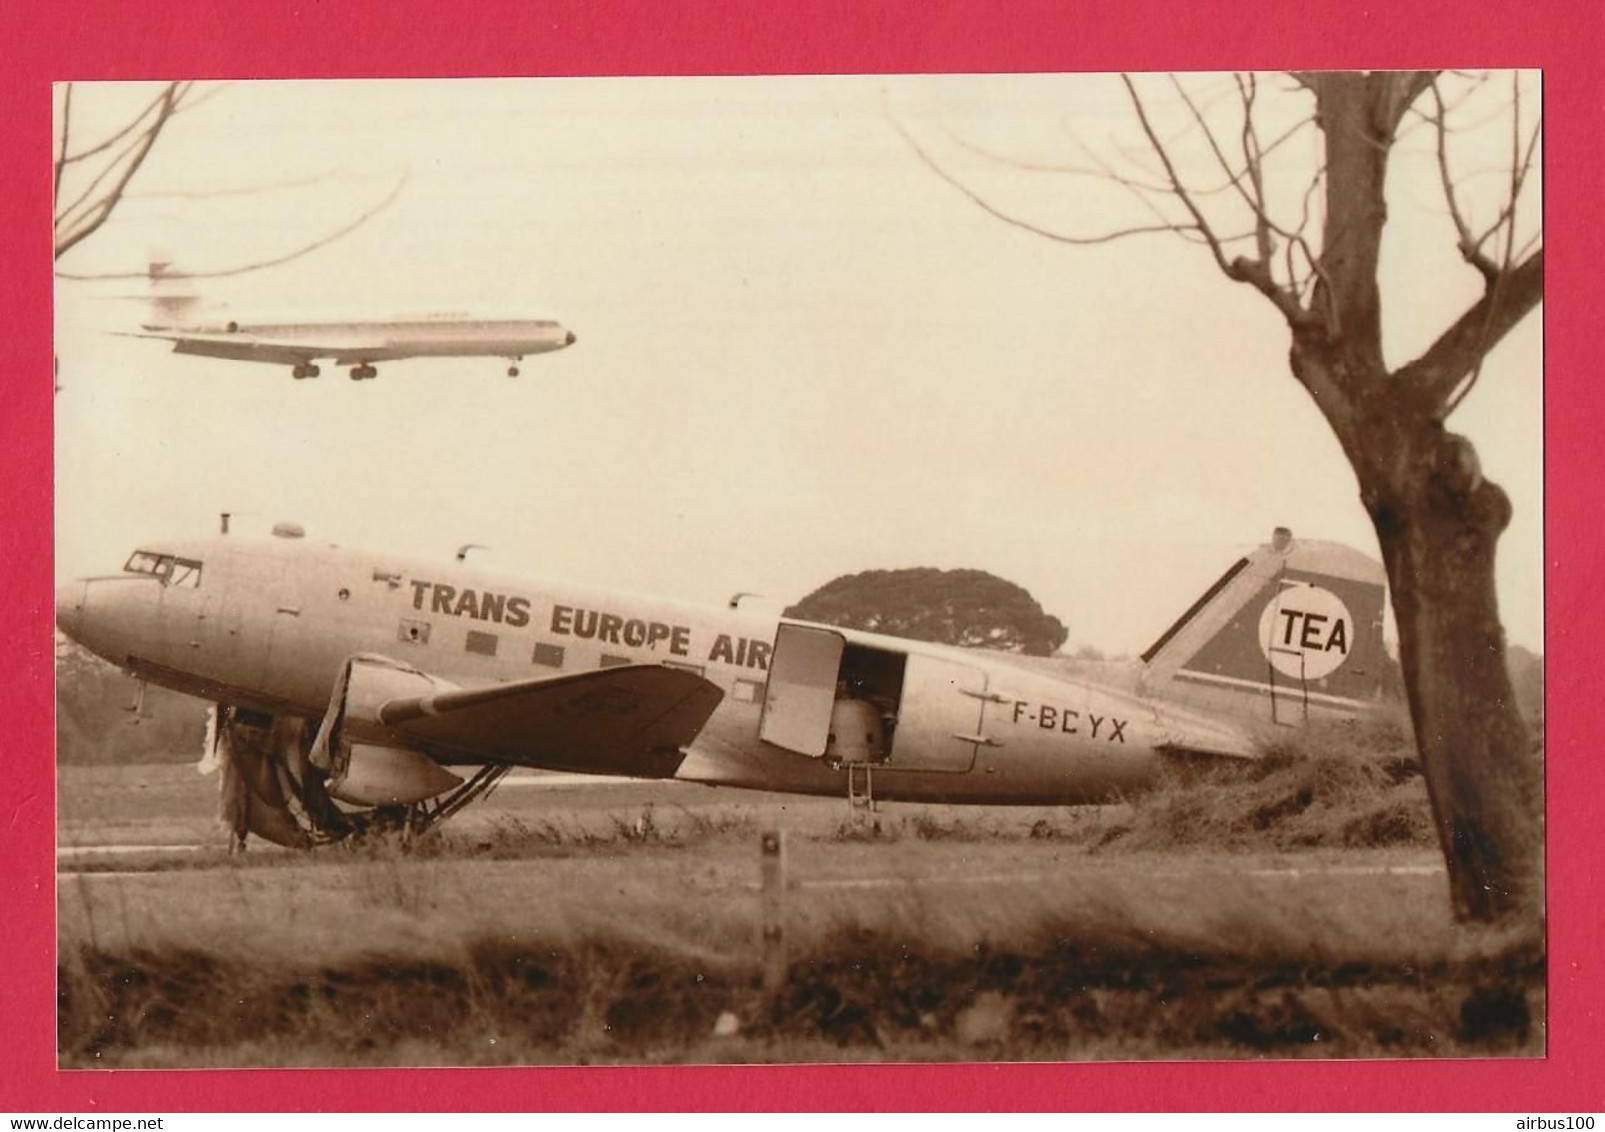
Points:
(301, 343)
(358, 689)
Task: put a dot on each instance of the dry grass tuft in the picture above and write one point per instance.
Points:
(1343, 785)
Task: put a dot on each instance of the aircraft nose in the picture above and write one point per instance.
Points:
(570, 339)
(70, 607)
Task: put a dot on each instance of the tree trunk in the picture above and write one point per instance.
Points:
(1438, 523)
(1438, 533)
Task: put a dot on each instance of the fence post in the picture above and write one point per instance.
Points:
(772, 848)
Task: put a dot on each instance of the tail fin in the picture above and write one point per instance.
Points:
(172, 300)
(1290, 632)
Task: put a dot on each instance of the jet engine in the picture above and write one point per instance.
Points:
(363, 761)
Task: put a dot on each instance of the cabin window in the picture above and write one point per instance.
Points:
(170, 570)
(550, 656)
(413, 632)
(694, 669)
(482, 643)
(747, 691)
(610, 661)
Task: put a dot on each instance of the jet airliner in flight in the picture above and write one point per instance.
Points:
(301, 342)
(357, 688)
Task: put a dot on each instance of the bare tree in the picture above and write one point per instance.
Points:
(92, 176)
(1215, 164)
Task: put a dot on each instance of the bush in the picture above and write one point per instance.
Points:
(1354, 784)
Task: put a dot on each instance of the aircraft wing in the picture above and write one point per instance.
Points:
(237, 347)
(630, 720)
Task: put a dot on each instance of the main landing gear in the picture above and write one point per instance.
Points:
(305, 369)
(363, 372)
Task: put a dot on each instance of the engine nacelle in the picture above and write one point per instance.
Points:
(388, 776)
(363, 763)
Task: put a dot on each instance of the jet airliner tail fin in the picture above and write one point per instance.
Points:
(173, 300)
(1291, 632)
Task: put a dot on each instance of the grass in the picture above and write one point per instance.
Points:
(973, 950)
(1236, 910)
(1027, 974)
(1350, 785)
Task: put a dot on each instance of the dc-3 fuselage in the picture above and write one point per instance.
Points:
(393, 659)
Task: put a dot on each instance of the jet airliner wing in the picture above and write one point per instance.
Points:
(630, 720)
(239, 347)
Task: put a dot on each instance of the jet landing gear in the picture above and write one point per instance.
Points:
(304, 370)
(363, 372)
(512, 370)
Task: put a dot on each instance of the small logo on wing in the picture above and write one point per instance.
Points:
(1306, 632)
(591, 703)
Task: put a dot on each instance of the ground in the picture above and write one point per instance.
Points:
(575, 921)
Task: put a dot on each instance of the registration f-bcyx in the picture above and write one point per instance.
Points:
(357, 689)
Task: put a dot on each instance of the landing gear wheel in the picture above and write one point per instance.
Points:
(363, 373)
(303, 370)
(512, 371)
(313, 371)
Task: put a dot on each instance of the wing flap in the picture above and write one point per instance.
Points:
(630, 720)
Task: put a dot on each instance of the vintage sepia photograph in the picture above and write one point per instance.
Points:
(798, 569)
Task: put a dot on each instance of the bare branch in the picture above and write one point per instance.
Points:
(1242, 270)
(1175, 181)
(1461, 124)
(1253, 161)
(187, 103)
(1518, 171)
(133, 124)
(1143, 195)
(1400, 89)
(1439, 372)
(1469, 246)
(1234, 178)
(102, 210)
(1518, 167)
(69, 217)
(61, 153)
(1015, 221)
(257, 265)
(1103, 173)
(1209, 190)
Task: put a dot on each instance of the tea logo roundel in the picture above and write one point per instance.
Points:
(1306, 632)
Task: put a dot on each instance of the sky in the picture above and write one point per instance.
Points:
(801, 352)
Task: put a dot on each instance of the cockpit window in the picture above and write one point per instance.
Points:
(186, 572)
(144, 562)
(171, 570)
